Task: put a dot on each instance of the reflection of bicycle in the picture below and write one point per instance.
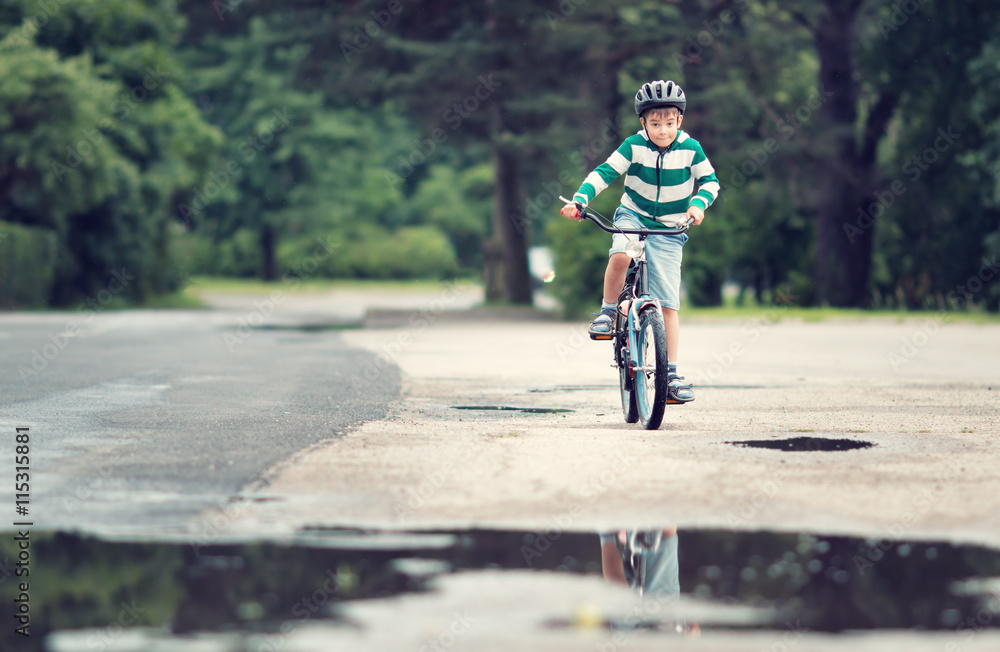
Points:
(646, 561)
(638, 334)
(639, 545)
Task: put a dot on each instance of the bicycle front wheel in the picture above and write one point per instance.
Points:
(650, 381)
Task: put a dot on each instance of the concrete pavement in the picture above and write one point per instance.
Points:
(933, 420)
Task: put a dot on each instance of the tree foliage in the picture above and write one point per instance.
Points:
(856, 141)
(98, 138)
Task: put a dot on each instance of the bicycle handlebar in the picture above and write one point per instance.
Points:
(591, 215)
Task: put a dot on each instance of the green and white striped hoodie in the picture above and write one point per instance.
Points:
(658, 185)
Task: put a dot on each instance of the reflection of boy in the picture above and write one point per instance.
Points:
(662, 569)
(661, 164)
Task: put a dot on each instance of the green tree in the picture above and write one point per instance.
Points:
(883, 64)
(103, 139)
(321, 174)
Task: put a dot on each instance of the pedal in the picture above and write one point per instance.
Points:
(607, 336)
(671, 400)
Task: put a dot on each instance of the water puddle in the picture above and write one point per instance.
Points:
(504, 408)
(571, 388)
(88, 593)
(319, 327)
(804, 444)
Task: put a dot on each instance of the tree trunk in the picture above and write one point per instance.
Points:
(600, 92)
(843, 255)
(511, 233)
(268, 244)
(493, 269)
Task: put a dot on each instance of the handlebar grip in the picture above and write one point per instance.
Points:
(581, 208)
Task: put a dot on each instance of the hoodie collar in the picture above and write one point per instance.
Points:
(680, 138)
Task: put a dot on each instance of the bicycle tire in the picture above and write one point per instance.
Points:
(650, 382)
(627, 385)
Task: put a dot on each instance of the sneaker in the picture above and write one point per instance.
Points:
(603, 324)
(677, 391)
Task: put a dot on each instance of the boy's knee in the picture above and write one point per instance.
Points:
(619, 261)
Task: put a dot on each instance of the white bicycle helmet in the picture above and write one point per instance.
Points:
(659, 94)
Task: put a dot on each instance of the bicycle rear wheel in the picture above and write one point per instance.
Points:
(627, 386)
(650, 382)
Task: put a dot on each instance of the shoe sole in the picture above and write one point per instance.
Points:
(673, 400)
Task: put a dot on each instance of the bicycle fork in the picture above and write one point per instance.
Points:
(638, 305)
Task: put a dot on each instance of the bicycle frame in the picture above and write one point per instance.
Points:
(640, 300)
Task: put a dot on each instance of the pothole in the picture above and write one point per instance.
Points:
(804, 444)
(504, 408)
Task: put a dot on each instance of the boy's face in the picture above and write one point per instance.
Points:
(662, 126)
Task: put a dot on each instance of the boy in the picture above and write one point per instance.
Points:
(661, 164)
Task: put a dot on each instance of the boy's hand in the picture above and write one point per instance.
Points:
(570, 211)
(696, 214)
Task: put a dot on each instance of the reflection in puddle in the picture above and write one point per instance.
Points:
(503, 408)
(804, 444)
(824, 583)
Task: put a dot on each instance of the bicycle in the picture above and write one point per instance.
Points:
(638, 333)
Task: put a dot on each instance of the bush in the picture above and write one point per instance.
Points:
(581, 256)
(370, 251)
(417, 252)
(27, 265)
(237, 256)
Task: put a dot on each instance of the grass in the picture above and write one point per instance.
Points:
(176, 301)
(223, 285)
(190, 297)
(749, 312)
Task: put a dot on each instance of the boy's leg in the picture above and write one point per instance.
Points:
(672, 323)
(665, 279)
(677, 390)
(614, 276)
(614, 281)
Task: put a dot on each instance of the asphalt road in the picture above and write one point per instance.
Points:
(142, 420)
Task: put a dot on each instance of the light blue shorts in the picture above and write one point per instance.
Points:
(663, 258)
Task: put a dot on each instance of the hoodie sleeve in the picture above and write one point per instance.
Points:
(708, 184)
(616, 165)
